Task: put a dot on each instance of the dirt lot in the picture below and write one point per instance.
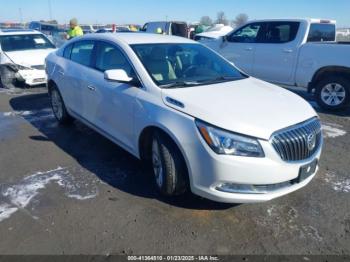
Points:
(68, 190)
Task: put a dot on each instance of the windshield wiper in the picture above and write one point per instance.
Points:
(180, 84)
(221, 79)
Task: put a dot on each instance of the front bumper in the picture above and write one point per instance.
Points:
(32, 77)
(209, 170)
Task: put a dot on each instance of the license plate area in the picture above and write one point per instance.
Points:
(306, 171)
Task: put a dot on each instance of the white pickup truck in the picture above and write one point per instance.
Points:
(295, 52)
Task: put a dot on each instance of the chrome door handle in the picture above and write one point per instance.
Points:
(248, 48)
(287, 50)
(91, 88)
(61, 72)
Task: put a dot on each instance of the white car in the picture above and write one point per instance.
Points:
(200, 122)
(214, 32)
(22, 56)
(294, 52)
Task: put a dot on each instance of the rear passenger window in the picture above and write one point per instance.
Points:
(82, 52)
(281, 32)
(321, 32)
(67, 51)
(110, 57)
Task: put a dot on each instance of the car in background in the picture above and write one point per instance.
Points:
(88, 29)
(118, 29)
(54, 32)
(292, 52)
(213, 32)
(168, 28)
(45, 28)
(22, 57)
(200, 122)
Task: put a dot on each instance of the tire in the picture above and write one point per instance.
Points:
(169, 166)
(58, 107)
(333, 93)
(7, 77)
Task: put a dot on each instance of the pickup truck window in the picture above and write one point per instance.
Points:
(321, 32)
(280, 32)
(247, 34)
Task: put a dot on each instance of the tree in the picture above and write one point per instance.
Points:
(240, 20)
(221, 18)
(206, 20)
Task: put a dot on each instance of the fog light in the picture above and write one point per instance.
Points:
(239, 188)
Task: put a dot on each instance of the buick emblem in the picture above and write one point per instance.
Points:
(311, 141)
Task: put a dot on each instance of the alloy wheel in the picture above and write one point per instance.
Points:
(333, 94)
(157, 163)
(57, 105)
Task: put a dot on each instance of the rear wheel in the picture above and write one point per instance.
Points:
(332, 93)
(169, 167)
(58, 107)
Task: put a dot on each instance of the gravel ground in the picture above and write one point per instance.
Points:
(68, 190)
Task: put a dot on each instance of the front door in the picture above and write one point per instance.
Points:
(110, 104)
(276, 55)
(240, 46)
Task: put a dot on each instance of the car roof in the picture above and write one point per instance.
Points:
(308, 20)
(138, 38)
(18, 32)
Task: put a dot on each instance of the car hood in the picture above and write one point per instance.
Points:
(250, 106)
(29, 57)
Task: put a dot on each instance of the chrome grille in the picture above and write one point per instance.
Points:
(298, 142)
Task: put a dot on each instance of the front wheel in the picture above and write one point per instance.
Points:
(58, 107)
(7, 77)
(169, 167)
(333, 93)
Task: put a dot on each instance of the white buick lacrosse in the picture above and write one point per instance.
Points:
(202, 124)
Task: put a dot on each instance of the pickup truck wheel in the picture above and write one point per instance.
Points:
(168, 166)
(58, 107)
(332, 93)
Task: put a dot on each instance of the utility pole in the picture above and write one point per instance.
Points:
(20, 15)
(50, 9)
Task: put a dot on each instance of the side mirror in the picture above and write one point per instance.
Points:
(224, 39)
(118, 75)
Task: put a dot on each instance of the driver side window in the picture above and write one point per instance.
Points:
(110, 57)
(248, 34)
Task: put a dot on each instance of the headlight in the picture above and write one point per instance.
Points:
(227, 143)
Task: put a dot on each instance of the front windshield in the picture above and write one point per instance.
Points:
(24, 42)
(178, 65)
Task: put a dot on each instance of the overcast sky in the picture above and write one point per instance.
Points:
(141, 11)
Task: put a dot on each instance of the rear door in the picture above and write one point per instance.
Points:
(240, 46)
(74, 73)
(276, 54)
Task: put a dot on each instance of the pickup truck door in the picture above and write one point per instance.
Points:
(276, 54)
(110, 104)
(239, 46)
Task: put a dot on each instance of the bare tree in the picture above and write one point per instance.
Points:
(206, 20)
(221, 18)
(240, 20)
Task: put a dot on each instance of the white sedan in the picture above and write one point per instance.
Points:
(201, 123)
(22, 56)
